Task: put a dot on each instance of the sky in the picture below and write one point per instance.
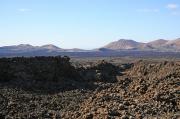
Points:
(87, 24)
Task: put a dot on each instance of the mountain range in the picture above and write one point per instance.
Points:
(160, 45)
(29, 48)
(157, 45)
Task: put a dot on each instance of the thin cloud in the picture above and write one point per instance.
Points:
(24, 10)
(175, 13)
(148, 10)
(172, 6)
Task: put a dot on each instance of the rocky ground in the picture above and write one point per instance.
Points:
(98, 90)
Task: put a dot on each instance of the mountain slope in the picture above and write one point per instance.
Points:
(157, 43)
(123, 44)
(120, 45)
(26, 48)
(18, 48)
(50, 47)
(173, 44)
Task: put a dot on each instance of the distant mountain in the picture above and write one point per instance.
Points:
(166, 45)
(123, 44)
(157, 45)
(18, 48)
(173, 44)
(29, 49)
(160, 45)
(50, 47)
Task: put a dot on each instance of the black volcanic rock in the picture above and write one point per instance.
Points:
(101, 71)
(105, 50)
(147, 89)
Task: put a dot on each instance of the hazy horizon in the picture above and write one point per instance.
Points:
(84, 48)
(87, 24)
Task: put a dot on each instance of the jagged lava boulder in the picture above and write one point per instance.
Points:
(101, 71)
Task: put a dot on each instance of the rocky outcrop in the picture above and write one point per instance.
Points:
(101, 71)
(144, 89)
(147, 90)
(37, 68)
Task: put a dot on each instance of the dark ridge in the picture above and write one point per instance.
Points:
(52, 73)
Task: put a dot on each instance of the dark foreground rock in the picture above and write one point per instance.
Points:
(101, 71)
(52, 88)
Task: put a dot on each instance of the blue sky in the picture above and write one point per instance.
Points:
(87, 23)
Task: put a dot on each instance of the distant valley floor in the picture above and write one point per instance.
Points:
(123, 53)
